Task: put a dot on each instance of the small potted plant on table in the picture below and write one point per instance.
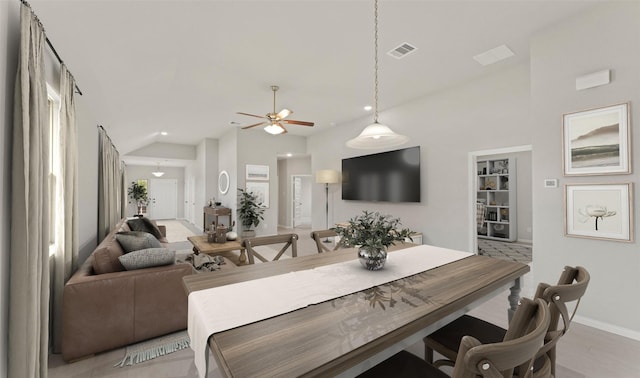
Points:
(372, 233)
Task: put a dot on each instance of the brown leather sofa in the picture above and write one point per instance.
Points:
(119, 307)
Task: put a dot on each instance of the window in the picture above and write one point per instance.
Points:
(55, 198)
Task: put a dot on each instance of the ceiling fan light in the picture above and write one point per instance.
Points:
(377, 135)
(274, 129)
(284, 113)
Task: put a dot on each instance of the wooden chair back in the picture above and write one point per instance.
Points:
(571, 286)
(524, 338)
(317, 236)
(289, 240)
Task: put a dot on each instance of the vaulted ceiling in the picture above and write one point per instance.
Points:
(187, 67)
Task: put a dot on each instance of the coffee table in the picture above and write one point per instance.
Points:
(201, 245)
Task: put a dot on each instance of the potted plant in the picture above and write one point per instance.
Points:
(138, 193)
(372, 233)
(249, 211)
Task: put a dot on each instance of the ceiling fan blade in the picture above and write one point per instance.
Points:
(250, 115)
(284, 113)
(254, 125)
(294, 122)
(283, 128)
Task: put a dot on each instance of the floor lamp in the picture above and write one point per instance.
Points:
(326, 177)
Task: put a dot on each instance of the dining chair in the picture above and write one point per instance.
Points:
(571, 287)
(289, 240)
(317, 236)
(522, 341)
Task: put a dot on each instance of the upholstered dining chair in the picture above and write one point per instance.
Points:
(317, 236)
(571, 287)
(518, 349)
(289, 240)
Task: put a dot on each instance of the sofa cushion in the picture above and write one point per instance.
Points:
(105, 257)
(146, 225)
(137, 240)
(146, 258)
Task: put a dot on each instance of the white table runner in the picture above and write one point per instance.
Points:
(225, 307)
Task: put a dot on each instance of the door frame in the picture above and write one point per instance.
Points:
(473, 173)
(292, 197)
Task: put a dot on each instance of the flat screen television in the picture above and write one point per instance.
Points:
(392, 176)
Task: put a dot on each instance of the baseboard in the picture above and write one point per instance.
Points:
(621, 331)
(524, 241)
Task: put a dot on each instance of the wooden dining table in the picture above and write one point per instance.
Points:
(350, 334)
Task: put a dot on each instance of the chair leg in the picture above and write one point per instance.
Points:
(428, 353)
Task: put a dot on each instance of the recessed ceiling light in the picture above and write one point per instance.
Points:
(494, 55)
(164, 133)
(289, 154)
(368, 107)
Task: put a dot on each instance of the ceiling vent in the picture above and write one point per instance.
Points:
(402, 50)
(494, 55)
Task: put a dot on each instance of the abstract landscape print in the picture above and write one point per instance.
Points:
(596, 141)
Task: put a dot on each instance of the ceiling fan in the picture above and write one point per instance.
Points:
(275, 121)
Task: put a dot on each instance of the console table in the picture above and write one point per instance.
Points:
(211, 214)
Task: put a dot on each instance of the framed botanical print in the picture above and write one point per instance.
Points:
(596, 141)
(600, 211)
(260, 190)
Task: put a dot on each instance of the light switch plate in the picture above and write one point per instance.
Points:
(550, 183)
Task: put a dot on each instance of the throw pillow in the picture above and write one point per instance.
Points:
(147, 258)
(146, 225)
(136, 240)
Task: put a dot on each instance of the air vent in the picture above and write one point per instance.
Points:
(494, 55)
(402, 50)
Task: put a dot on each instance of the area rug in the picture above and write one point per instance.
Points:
(176, 230)
(505, 251)
(158, 347)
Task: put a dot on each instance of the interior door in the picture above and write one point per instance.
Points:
(301, 200)
(163, 198)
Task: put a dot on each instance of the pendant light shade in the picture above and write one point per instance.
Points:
(158, 172)
(274, 129)
(376, 135)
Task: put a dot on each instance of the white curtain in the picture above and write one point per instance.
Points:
(29, 276)
(109, 185)
(67, 240)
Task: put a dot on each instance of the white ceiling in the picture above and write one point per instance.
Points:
(186, 67)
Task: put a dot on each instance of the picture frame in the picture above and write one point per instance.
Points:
(257, 172)
(260, 190)
(599, 211)
(596, 141)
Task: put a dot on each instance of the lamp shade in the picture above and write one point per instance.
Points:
(327, 176)
(274, 129)
(377, 135)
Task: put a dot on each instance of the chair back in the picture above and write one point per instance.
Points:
(571, 287)
(524, 338)
(289, 240)
(317, 236)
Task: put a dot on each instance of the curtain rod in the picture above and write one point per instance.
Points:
(53, 49)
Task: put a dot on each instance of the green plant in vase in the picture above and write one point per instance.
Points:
(138, 193)
(250, 211)
(372, 233)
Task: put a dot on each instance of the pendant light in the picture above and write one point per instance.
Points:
(158, 172)
(376, 135)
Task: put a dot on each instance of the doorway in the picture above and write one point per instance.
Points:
(301, 201)
(524, 186)
(163, 198)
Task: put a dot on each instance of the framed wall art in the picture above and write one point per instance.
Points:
(260, 190)
(600, 211)
(596, 141)
(257, 172)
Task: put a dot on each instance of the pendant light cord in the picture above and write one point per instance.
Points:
(375, 68)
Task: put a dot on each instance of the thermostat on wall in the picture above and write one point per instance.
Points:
(550, 183)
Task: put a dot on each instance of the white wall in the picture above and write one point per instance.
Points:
(142, 172)
(260, 148)
(9, 41)
(488, 113)
(605, 37)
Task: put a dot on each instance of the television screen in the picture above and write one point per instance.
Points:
(392, 176)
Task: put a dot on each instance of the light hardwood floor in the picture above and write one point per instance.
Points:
(583, 352)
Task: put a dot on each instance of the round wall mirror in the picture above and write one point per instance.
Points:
(223, 182)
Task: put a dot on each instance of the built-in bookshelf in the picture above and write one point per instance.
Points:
(496, 191)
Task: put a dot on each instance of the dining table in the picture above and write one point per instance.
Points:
(349, 333)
